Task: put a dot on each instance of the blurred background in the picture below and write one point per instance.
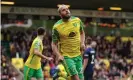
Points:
(108, 22)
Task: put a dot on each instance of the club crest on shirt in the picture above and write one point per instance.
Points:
(72, 34)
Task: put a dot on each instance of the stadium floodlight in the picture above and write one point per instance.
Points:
(100, 9)
(7, 2)
(63, 4)
(115, 8)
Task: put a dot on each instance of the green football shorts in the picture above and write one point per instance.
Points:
(32, 73)
(74, 66)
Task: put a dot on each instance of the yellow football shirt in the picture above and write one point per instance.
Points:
(33, 60)
(68, 36)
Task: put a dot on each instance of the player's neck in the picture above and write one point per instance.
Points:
(40, 37)
(66, 20)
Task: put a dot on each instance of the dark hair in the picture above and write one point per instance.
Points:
(40, 31)
(88, 41)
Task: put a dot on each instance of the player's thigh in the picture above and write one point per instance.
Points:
(71, 66)
(39, 74)
(28, 73)
(79, 67)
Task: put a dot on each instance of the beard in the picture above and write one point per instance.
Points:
(66, 17)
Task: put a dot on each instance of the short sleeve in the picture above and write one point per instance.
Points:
(81, 26)
(55, 35)
(86, 54)
(36, 45)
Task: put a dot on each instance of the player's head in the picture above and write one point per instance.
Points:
(88, 41)
(41, 31)
(64, 12)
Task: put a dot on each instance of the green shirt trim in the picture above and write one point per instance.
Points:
(81, 26)
(55, 35)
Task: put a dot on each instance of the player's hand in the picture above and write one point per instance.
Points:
(82, 47)
(50, 59)
(60, 58)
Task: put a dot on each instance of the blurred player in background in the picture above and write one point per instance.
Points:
(69, 33)
(89, 56)
(32, 67)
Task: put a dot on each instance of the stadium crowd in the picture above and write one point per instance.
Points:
(114, 58)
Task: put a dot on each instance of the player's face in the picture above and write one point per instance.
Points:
(44, 34)
(65, 13)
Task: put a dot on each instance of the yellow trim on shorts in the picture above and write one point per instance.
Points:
(27, 73)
